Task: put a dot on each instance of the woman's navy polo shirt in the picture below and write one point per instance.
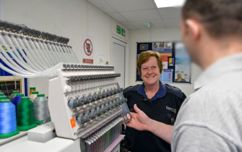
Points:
(163, 107)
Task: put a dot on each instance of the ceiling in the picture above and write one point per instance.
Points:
(139, 14)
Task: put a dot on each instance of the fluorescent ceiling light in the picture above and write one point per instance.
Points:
(169, 3)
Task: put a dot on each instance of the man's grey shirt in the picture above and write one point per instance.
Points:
(210, 120)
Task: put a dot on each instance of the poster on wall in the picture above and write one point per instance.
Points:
(144, 47)
(166, 76)
(166, 50)
(162, 47)
(182, 72)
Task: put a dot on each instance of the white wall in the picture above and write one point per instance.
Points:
(151, 35)
(74, 19)
(1, 9)
(77, 20)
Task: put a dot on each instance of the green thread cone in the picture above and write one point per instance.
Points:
(25, 114)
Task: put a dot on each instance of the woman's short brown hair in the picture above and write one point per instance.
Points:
(144, 57)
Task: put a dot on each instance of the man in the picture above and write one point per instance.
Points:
(210, 120)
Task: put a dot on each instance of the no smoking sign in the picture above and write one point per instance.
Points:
(88, 47)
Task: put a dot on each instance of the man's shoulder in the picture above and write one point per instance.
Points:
(205, 105)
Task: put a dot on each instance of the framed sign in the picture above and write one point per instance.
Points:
(182, 64)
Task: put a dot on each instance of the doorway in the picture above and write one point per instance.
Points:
(117, 59)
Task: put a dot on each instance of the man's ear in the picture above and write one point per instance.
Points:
(193, 28)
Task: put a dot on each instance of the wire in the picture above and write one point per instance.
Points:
(30, 53)
(20, 56)
(13, 38)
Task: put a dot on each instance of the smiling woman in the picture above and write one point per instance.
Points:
(159, 101)
(150, 69)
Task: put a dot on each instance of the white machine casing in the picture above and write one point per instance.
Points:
(60, 92)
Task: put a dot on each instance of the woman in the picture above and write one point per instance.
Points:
(159, 101)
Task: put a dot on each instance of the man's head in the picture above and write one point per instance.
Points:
(149, 67)
(210, 20)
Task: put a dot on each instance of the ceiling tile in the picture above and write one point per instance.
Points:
(118, 17)
(102, 5)
(131, 5)
(158, 25)
(171, 12)
(154, 24)
(134, 13)
(129, 26)
(172, 23)
(144, 15)
(139, 24)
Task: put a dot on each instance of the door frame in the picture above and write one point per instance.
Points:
(123, 44)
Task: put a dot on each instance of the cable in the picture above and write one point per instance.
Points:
(41, 53)
(23, 51)
(46, 52)
(30, 47)
(18, 56)
(30, 53)
(55, 58)
(11, 63)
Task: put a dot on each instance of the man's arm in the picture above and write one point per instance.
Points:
(140, 121)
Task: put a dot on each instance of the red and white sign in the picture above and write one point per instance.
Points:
(88, 47)
(89, 61)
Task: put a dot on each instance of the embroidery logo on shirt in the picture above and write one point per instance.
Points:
(171, 109)
(171, 114)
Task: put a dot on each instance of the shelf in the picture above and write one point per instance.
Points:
(10, 78)
(7, 140)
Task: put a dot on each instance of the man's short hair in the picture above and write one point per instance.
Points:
(220, 18)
